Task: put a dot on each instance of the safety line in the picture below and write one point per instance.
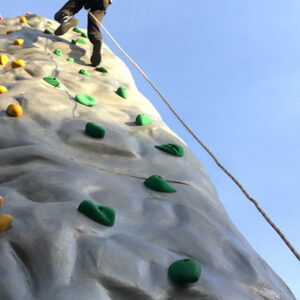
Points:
(203, 145)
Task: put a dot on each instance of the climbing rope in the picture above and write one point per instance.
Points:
(202, 144)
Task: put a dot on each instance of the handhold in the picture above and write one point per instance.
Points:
(3, 60)
(173, 149)
(52, 80)
(58, 52)
(18, 63)
(102, 69)
(81, 41)
(70, 59)
(94, 130)
(49, 22)
(73, 42)
(14, 110)
(184, 271)
(23, 20)
(121, 91)
(47, 31)
(104, 215)
(157, 183)
(18, 42)
(3, 89)
(76, 29)
(5, 222)
(143, 119)
(9, 31)
(85, 99)
(1, 201)
(84, 35)
(84, 72)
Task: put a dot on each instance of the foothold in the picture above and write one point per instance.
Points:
(18, 63)
(3, 89)
(157, 183)
(70, 59)
(143, 119)
(14, 110)
(58, 52)
(3, 59)
(5, 222)
(18, 42)
(84, 72)
(50, 22)
(23, 20)
(81, 41)
(85, 99)
(84, 35)
(104, 215)
(184, 271)
(121, 91)
(47, 31)
(173, 149)
(76, 29)
(9, 31)
(101, 69)
(94, 130)
(52, 80)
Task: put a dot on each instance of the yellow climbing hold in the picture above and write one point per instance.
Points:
(5, 222)
(1, 201)
(19, 42)
(14, 110)
(23, 20)
(3, 89)
(3, 60)
(18, 63)
(9, 31)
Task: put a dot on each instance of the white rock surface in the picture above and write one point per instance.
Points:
(48, 166)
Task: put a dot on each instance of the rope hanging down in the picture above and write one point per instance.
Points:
(203, 145)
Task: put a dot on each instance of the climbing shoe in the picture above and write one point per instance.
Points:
(96, 56)
(66, 24)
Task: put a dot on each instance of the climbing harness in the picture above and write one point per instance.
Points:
(202, 144)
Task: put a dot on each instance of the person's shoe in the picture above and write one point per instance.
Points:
(96, 56)
(66, 24)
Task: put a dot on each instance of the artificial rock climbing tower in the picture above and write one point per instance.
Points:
(106, 202)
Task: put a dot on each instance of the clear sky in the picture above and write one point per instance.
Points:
(231, 69)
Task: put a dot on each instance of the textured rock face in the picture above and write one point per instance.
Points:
(49, 166)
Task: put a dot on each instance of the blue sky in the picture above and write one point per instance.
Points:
(231, 69)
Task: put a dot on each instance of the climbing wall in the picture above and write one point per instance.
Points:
(106, 201)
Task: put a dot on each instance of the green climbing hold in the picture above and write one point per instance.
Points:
(104, 215)
(81, 41)
(102, 69)
(173, 149)
(73, 42)
(121, 91)
(84, 35)
(184, 271)
(84, 72)
(76, 29)
(85, 99)
(94, 130)
(47, 31)
(58, 52)
(70, 59)
(52, 80)
(143, 119)
(49, 22)
(157, 183)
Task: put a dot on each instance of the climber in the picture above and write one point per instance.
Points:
(5, 220)
(65, 16)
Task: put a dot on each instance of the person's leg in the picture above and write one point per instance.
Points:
(95, 35)
(69, 9)
(64, 16)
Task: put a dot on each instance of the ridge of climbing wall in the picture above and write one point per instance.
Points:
(100, 199)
